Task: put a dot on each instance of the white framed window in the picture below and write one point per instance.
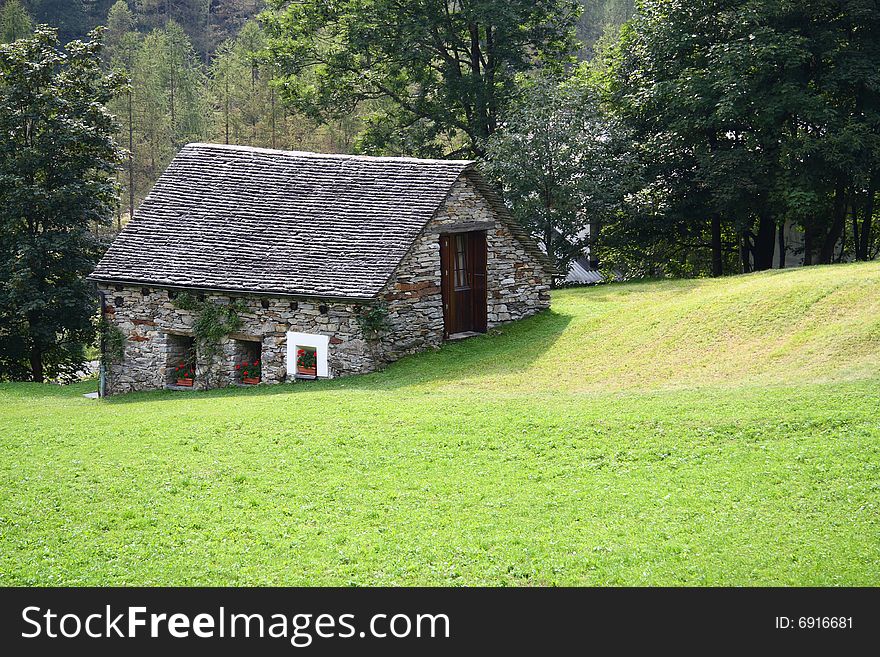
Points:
(297, 341)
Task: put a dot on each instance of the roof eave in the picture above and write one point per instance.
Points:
(231, 291)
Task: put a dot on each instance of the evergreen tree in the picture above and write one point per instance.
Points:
(121, 47)
(70, 17)
(15, 22)
(244, 101)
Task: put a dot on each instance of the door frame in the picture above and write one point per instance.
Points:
(476, 261)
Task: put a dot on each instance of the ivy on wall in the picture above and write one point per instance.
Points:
(213, 322)
(112, 341)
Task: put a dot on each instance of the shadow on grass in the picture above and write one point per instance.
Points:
(506, 349)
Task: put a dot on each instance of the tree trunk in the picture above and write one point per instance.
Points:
(548, 239)
(765, 243)
(480, 107)
(173, 72)
(744, 253)
(130, 157)
(717, 255)
(855, 229)
(781, 237)
(36, 358)
(826, 251)
(272, 122)
(808, 245)
(865, 238)
(226, 104)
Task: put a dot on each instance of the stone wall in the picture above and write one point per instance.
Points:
(516, 284)
(516, 287)
(147, 317)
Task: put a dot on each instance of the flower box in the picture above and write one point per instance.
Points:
(306, 362)
(250, 372)
(185, 373)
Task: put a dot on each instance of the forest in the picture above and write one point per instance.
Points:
(670, 138)
(198, 71)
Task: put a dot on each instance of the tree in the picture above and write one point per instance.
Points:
(70, 17)
(753, 115)
(183, 77)
(244, 101)
(434, 75)
(15, 22)
(122, 42)
(562, 164)
(57, 162)
(598, 17)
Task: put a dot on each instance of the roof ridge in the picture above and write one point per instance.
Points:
(327, 156)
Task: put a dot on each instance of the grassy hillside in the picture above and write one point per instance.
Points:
(699, 432)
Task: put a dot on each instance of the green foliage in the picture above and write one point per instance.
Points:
(57, 161)
(433, 77)
(749, 115)
(70, 17)
(373, 320)
(590, 445)
(213, 322)
(15, 22)
(563, 164)
(306, 358)
(244, 103)
(206, 22)
(600, 17)
(112, 341)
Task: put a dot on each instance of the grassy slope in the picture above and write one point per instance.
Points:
(703, 432)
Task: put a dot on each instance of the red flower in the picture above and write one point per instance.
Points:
(238, 367)
(256, 362)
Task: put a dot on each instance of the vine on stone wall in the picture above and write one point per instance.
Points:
(374, 322)
(213, 322)
(112, 341)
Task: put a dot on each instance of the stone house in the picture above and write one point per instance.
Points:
(304, 242)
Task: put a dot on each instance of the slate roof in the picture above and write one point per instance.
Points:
(236, 218)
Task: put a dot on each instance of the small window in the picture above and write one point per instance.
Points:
(248, 362)
(265, 303)
(180, 364)
(461, 264)
(307, 355)
(306, 362)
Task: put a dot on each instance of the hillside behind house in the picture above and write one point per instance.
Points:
(810, 325)
(708, 432)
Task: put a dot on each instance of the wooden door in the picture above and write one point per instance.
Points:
(463, 274)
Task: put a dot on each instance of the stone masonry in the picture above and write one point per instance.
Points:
(517, 286)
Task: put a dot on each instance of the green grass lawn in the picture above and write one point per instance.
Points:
(688, 432)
